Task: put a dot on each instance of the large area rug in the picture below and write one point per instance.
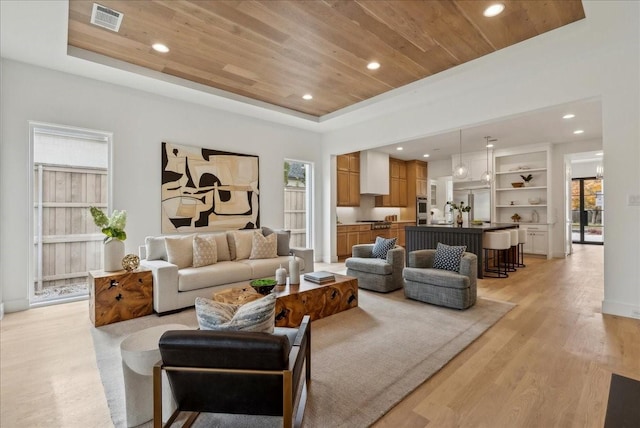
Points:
(364, 360)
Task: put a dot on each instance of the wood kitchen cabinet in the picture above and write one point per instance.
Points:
(348, 180)
(416, 186)
(397, 196)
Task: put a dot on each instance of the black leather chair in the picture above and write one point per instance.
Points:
(235, 372)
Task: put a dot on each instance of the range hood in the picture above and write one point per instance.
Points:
(374, 173)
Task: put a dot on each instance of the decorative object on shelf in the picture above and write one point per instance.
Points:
(294, 271)
(461, 209)
(535, 218)
(130, 262)
(485, 178)
(516, 217)
(264, 285)
(527, 179)
(281, 276)
(518, 184)
(534, 201)
(113, 228)
(460, 171)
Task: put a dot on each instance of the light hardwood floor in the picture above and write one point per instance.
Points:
(546, 363)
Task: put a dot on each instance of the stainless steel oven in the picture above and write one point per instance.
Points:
(422, 211)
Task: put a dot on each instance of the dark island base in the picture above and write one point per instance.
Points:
(427, 237)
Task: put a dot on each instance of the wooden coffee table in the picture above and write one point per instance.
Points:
(316, 300)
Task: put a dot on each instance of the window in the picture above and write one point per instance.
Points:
(298, 197)
(70, 174)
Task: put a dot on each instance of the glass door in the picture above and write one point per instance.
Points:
(587, 209)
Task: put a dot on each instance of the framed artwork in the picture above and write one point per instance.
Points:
(205, 190)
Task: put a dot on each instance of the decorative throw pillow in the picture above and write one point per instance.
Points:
(258, 315)
(205, 250)
(283, 236)
(382, 247)
(448, 257)
(240, 244)
(179, 250)
(156, 249)
(264, 247)
(222, 246)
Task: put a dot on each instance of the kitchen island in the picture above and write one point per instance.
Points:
(428, 236)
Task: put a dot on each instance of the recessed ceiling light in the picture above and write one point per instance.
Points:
(399, 148)
(426, 155)
(600, 154)
(578, 131)
(307, 97)
(159, 47)
(489, 146)
(493, 10)
(373, 65)
(569, 116)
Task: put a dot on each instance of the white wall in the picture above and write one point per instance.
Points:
(584, 169)
(139, 121)
(596, 57)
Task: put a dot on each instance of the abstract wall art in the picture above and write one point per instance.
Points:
(206, 190)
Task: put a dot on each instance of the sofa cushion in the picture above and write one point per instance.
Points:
(438, 277)
(257, 316)
(263, 247)
(208, 276)
(377, 266)
(382, 246)
(283, 237)
(261, 268)
(448, 257)
(179, 250)
(240, 243)
(156, 249)
(205, 250)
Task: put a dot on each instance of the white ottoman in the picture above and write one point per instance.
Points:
(139, 354)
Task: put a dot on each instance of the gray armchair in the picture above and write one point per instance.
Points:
(375, 274)
(441, 287)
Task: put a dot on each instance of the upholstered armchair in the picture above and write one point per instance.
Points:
(373, 273)
(441, 287)
(235, 372)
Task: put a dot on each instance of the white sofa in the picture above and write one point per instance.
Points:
(177, 288)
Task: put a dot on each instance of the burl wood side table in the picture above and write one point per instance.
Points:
(119, 296)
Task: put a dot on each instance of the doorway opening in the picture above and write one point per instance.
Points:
(587, 211)
(298, 202)
(69, 174)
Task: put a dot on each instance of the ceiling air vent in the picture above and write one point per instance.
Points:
(106, 18)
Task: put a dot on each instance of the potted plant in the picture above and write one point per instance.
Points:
(461, 209)
(516, 217)
(113, 228)
(527, 179)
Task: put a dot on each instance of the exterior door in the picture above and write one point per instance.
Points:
(587, 209)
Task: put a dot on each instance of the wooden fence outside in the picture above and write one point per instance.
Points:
(67, 244)
(295, 215)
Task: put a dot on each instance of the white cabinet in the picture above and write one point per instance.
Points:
(537, 240)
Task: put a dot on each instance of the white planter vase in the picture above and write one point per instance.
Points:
(113, 253)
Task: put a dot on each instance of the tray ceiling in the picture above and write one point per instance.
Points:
(277, 51)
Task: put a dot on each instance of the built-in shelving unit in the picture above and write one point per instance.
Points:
(532, 201)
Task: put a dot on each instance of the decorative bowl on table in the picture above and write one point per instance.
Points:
(263, 286)
(518, 184)
(534, 201)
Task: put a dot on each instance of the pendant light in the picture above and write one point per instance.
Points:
(460, 171)
(486, 175)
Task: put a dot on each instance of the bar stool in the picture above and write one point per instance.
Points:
(522, 239)
(512, 260)
(498, 242)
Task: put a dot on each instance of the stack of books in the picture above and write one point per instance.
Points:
(319, 277)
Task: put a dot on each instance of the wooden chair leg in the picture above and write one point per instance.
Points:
(157, 396)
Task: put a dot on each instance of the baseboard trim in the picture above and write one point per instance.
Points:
(620, 309)
(15, 305)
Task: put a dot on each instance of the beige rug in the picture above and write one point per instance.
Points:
(364, 360)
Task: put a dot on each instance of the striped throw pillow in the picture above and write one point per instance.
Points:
(257, 316)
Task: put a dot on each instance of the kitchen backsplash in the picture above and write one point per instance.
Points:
(366, 211)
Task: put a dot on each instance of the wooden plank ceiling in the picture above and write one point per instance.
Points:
(276, 51)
